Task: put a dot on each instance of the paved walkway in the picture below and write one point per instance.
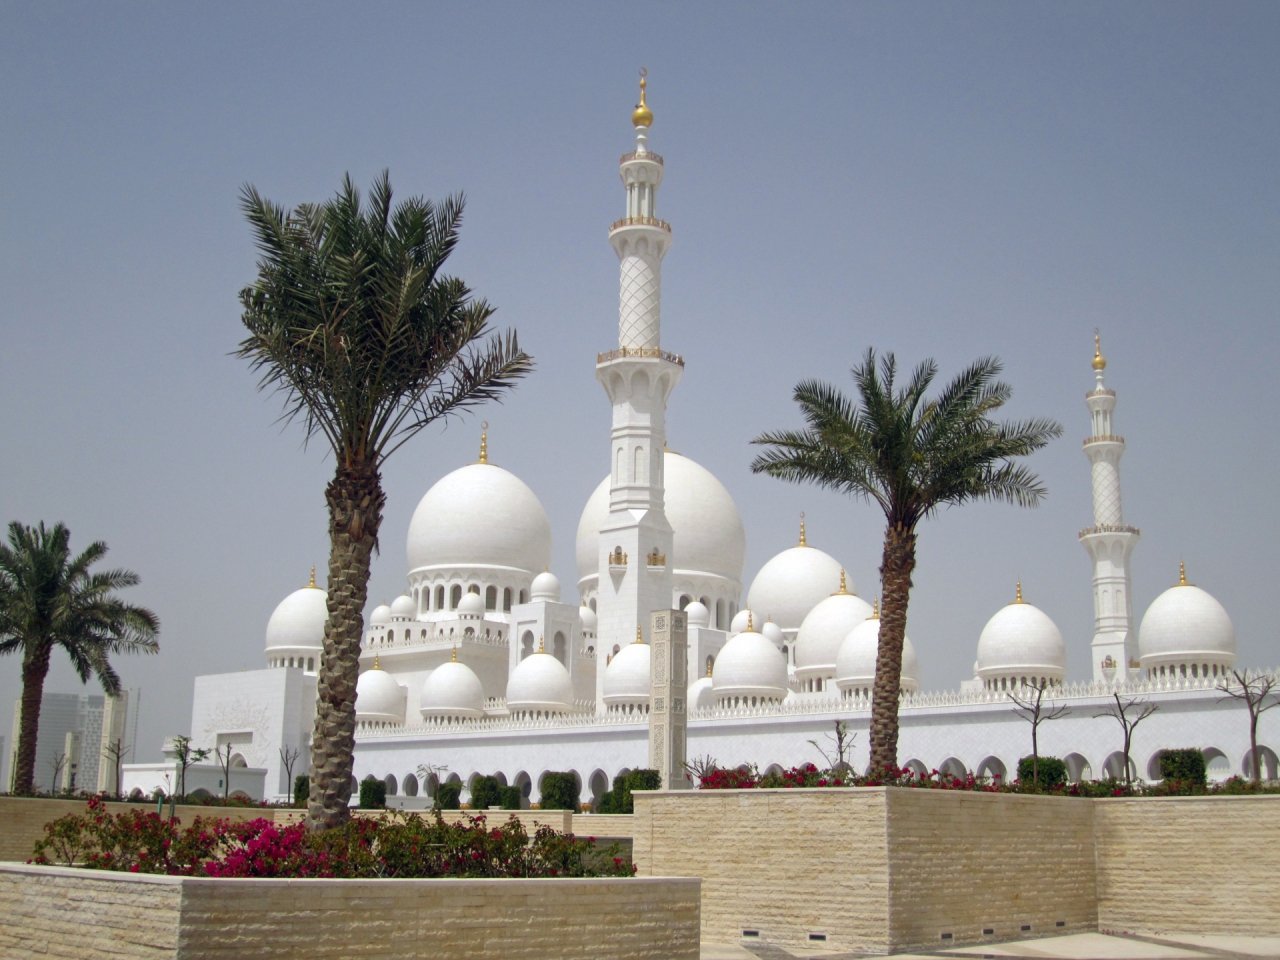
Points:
(1082, 946)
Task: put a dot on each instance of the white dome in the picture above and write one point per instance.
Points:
(741, 619)
(793, 583)
(546, 586)
(480, 516)
(699, 615)
(539, 683)
(379, 699)
(708, 533)
(856, 661)
(626, 678)
(701, 694)
(1186, 625)
(298, 621)
(470, 607)
(452, 690)
(588, 620)
(403, 608)
(774, 633)
(823, 631)
(1021, 641)
(749, 666)
(381, 616)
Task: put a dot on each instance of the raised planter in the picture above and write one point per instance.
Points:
(89, 914)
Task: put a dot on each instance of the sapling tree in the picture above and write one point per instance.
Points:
(186, 755)
(288, 757)
(1128, 713)
(1032, 708)
(224, 754)
(700, 767)
(841, 745)
(116, 752)
(1259, 693)
(58, 763)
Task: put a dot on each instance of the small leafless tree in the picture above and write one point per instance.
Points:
(1121, 712)
(224, 754)
(187, 755)
(116, 752)
(842, 744)
(58, 763)
(700, 767)
(288, 757)
(1032, 708)
(1253, 689)
(430, 774)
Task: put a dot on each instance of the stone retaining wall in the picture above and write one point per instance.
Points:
(55, 912)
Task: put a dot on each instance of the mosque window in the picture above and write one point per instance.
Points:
(439, 598)
(558, 647)
(706, 602)
(311, 663)
(593, 604)
(506, 599)
(491, 598)
(474, 588)
(685, 600)
(406, 634)
(455, 596)
(524, 596)
(526, 644)
(720, 621)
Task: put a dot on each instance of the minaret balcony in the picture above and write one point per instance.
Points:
(1109, 528)
(639, 222)
(642, 155)
(655, 352)
(1104, 438)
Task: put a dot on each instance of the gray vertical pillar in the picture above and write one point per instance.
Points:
(668, 685)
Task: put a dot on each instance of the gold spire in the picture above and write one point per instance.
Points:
(709, 662)
(312, 584)
(1099, 361)
(1182, 574)
(750, 627)
(375, 662)
(455, 653)
(802, 542)
(540, 649)
(642, 116)
(875, 609)
(1018, 598)
(484, 443)
(844, 589)
(639, 634)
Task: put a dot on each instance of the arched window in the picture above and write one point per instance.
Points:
(558, 648)
(311, 664)
(706, 602)
(455, 596)
(617, 470)
(524, 596)
(593, 604)
(685, 600)
(491, 598)
(720, 623)
(526, 644)
(506, 599)
(639, 464)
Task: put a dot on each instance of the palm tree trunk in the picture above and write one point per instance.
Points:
(355, 500)
(35, 667)
(895, 575)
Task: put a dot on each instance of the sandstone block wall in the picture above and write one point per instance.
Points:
(1207, 865)
(43, 911)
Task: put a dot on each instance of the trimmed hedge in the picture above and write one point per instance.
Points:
(485, 793)
(301, 790)
(559, 792)
(1184, 766)
(510, 798)
(1053, 772)
(373, 794)
(448, 796)
(619, 799)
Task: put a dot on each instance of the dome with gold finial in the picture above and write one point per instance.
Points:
(792, 583)
(1020, 645)
(749, 671)
(642, 116)
(823, 631)
(856, 661)
(1186, 631)
(452, 692)
(379, 698)
(295, 632)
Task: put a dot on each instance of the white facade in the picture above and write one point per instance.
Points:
(481, 668)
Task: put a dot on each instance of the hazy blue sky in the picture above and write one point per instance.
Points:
(944, 180)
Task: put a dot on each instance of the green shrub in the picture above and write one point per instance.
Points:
(301, 790)
(1184, 766)
(619, 800)
(373, 794)
(509, 798)
(559, 792)
(485, 793)
(448, 796)
(1053, 772)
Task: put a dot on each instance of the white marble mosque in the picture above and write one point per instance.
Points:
(482, 667)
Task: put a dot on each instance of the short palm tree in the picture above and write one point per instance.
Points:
(48, 599)
(353, 321)
(909, 455)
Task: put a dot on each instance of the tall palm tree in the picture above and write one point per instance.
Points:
(353, 321)
(50, 599)
(909, 455)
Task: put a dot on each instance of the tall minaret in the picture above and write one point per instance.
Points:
(1110, 543)
(635, 541)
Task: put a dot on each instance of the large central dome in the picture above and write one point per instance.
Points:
(480, 516)
(708, 533)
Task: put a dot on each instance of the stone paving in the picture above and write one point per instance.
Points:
(1084, 946)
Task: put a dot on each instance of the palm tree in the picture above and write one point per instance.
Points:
(909, 455)
(50, 599)
(352, 320)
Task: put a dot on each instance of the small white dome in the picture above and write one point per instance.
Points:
(379, 699)
(701, 694)
(699, 615)
(480, 516)
(539, 684)
(452, 690)
(1186, 625)
(546, 586)
(1021, 641)
(823, 631)
(297, 623)
(381, 616)
(741, 619)
(470, 607)
(588, 620)
(750, 667)
(774, 633)
(793, 583)
(856, 661)
(403, 608)
(626, 678)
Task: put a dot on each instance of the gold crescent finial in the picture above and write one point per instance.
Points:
(1099, 361)
(639, 634)
(803, 542)
(312, 584)
(642, 116)
(375, 662)
(709, 663)
(1182, 574)
(1018, 598)
(875, 609)
(540, 649)
(455, 653)
(484, 443)
(750, 626)
(844, 589)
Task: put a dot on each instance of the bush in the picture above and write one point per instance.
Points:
(301, 790)
(559, 791)
(1053, 772)
(1183, 766)
(510, 798)
(373, 795)
(619, 799)
(447, 796)
(485, 793)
